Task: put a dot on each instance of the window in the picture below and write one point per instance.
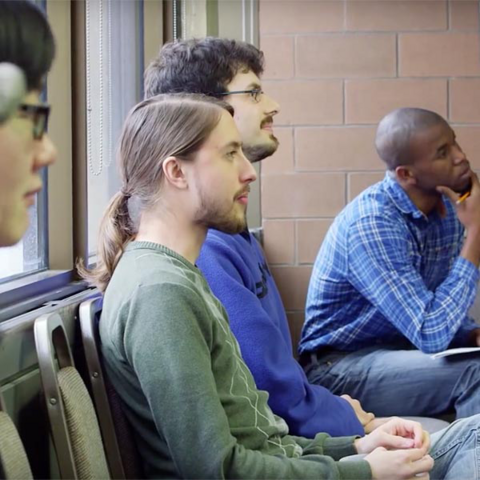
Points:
(114, 81)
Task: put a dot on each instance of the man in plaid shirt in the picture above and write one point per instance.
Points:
(396, 276)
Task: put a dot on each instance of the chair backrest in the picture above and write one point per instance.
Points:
(13, 459)
(73, 422)
(121, 450)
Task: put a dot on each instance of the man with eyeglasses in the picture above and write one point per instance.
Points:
(234, 265)
(27, 49)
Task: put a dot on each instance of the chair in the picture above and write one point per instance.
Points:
(73, 422)
(122, 454)
(13, 459)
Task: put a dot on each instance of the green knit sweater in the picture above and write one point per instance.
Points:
(189, 396)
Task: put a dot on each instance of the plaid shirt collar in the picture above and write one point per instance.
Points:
(400, 198)
(403, 202)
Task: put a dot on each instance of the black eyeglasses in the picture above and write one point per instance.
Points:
(255, 93)
(39, 115)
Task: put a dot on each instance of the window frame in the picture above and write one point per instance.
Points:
(66, 181)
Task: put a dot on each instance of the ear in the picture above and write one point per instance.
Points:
(174, 174)
(405, 175)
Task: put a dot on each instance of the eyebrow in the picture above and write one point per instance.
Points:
(230, 145)
(441, 147)
(254, 86)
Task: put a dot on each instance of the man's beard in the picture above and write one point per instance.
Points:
(255, 153)
(212, 215)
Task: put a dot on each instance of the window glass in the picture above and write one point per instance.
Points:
(114, 84)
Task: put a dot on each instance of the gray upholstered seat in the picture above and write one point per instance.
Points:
(73, 421)
(12, 454)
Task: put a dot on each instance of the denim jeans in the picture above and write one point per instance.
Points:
(402, 382)
(456, 451)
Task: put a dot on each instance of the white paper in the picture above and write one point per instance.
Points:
(456, 351)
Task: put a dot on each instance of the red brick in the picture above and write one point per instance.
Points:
(279, 241)
(302, 195)
(368, 101)
(439, 54)
(310, 235)
(307, 102)
(300, 16)
(465, 100)
(463, 15)
(292, 283)
(349, 55)
(396, 15)
(336, 149)
(279, 59)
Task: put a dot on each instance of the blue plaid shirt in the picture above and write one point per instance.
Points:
(385, 273)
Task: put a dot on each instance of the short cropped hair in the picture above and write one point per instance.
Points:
(203, 66)
(26, 40)
(395, 132)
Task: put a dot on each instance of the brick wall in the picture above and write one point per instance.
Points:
(337, 67)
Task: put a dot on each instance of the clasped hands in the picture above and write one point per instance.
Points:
(396, 447)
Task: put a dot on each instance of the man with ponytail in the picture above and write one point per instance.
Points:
(166, 340)
(27, 49)
(235, 265)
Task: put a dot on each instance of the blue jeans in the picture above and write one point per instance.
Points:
(456, 451)
(402, 382)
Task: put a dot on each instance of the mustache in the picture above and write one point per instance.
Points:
(266, 120)
(243, 192)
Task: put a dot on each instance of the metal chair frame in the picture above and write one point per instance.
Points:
(88, 313)
(52, 346)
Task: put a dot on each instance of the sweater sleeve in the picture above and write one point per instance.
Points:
(167, 341)
(307, 409)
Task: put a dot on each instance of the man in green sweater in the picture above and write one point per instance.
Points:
(166, 340)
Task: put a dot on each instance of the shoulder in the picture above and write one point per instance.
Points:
(220, 247)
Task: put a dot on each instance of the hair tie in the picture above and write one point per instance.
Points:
(125, 194)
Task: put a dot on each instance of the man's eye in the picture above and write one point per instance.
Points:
(231, 154)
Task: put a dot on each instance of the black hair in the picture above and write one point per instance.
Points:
(26, 40)
(204, 66)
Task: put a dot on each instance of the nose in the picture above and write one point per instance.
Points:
(271, 106)
(46, 153)
(248, 173)
(459, 154)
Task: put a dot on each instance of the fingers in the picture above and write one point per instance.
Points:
(449, 193)
(425, 442)
(425, 464)
(418, 435)
(394, 442)
(416, 455)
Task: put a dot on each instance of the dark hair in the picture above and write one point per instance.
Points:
(26, 40)
(204, 66)
(155, 129)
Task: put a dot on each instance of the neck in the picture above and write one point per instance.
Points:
(426, 202)
(177, 234)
